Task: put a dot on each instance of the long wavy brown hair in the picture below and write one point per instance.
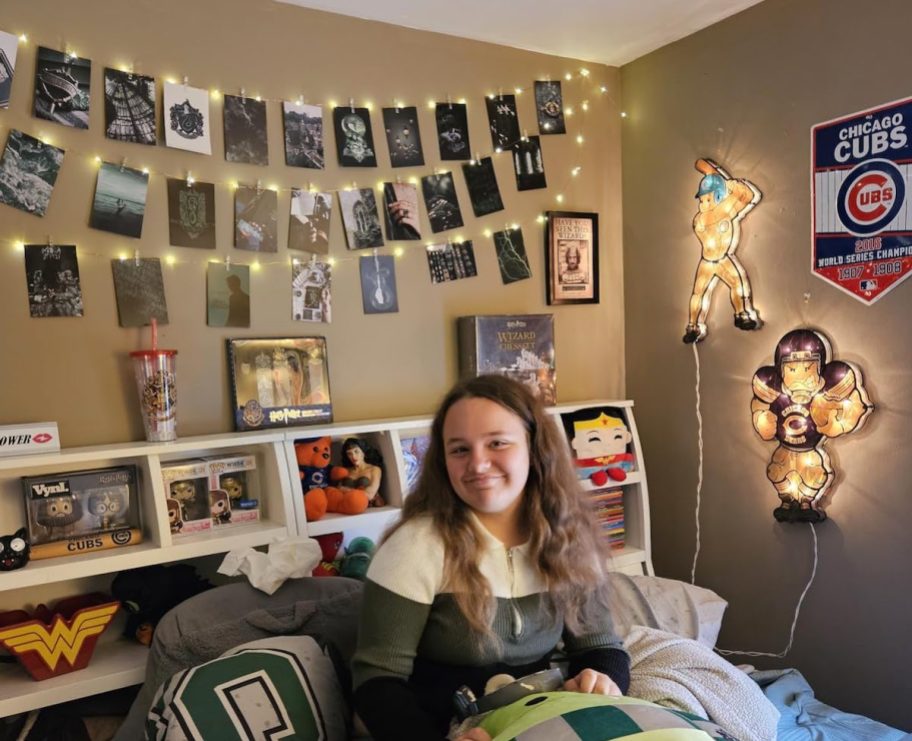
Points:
(563, 537)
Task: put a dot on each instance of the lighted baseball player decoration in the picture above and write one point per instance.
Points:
(723, 203)
(600, 445)
(802, 401)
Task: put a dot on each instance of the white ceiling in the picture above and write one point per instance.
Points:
(612, 32)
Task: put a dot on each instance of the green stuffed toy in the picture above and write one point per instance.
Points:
(357, 558)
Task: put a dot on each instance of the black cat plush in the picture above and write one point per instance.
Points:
(14, 550)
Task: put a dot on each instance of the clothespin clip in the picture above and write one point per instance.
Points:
(186, 80)
(123, 163)
(300, 100)
(49, 241)
(244, 92)
(190, 179)
(259, 186)
(396, 105)
(500, 93)
(351, 104)
(136, 258)
(525, 135)
(477, 158)
(313, 259)
(449, 101)
(227, 263)
(398, 179)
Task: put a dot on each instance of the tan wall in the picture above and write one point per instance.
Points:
(76, 371)
(745, 92)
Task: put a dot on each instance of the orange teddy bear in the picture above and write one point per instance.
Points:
(316, 476)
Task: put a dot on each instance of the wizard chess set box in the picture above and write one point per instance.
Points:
(82, 511)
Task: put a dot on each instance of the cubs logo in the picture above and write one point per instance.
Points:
(121, 537)
(870, 197)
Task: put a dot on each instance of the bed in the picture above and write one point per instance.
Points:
(670, 627)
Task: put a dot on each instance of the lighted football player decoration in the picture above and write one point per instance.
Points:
(600, 445)
(723, 203)
(802, 401)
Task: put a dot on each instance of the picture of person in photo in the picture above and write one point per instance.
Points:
(572, 270)
(256, 219)
(228, 295)
(308, 228)
(120, 200)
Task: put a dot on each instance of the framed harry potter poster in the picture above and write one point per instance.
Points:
(571, 258)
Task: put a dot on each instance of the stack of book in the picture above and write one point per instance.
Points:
(608, 506)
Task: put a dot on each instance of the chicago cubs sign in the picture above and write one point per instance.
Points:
(862, 221)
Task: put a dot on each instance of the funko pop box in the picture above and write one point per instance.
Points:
(187, 492)
(235, 475)
(82, 511)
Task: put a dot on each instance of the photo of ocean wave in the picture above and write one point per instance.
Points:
(120, 200)
(28, 171)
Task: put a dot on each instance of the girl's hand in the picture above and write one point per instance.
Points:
(591, 682)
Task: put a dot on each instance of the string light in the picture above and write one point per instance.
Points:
(170, 260)
(23, 38)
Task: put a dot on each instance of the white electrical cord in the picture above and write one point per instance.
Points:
(693, 571)
(788, 648)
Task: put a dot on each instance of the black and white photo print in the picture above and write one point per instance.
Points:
(354, 137)
(303, 135)
(400, 211)
(227, 295)
(129, 102)
(549, 105)
(9, 45)
(441, 202)
(403, 136)
(451, 261)
(140, 291)
(245, 130)
(481, 182)
(308, 227)
(511, 255)
(28, 171)
(62, 88)
(360, 218)
(453, 131)
(52, 275)
(120, 200)
(191, 214)
(503, 121)
(378, 284)
(528, 164)
(311, 291)
(256, 219)
(186, 118)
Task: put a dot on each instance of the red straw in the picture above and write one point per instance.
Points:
(154, 333)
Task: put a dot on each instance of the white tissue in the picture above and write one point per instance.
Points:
(291, 558)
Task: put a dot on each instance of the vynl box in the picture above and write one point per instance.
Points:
(520, 346)
(187, 492)
(82, 511)
(234, 489)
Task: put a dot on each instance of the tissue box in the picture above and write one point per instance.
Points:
(187, 492)
(234, 487)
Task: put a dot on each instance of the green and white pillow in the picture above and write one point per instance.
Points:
(282, 687)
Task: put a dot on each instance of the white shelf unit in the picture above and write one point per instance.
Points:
(118, 662)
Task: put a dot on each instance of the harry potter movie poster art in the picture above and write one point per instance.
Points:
(549, 104)
(28, 171)
(129, 107)
(354, 137)
(453, 131)
(120, 200)
(441, 202)
(403, 136)
(528, 164)
(303, 135)
(502, 120)
(256, 220)
(311, 291)
(227, 295)
(482, 184)
(245, 130)
(186, 118)
(378, 284)
(191, 214)
(279, 382)
(511, 255)
(308, 227)
(140, 291)
(9, 45)
(360, 218)
(451, 261)
(62, 88)
(52, 274)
